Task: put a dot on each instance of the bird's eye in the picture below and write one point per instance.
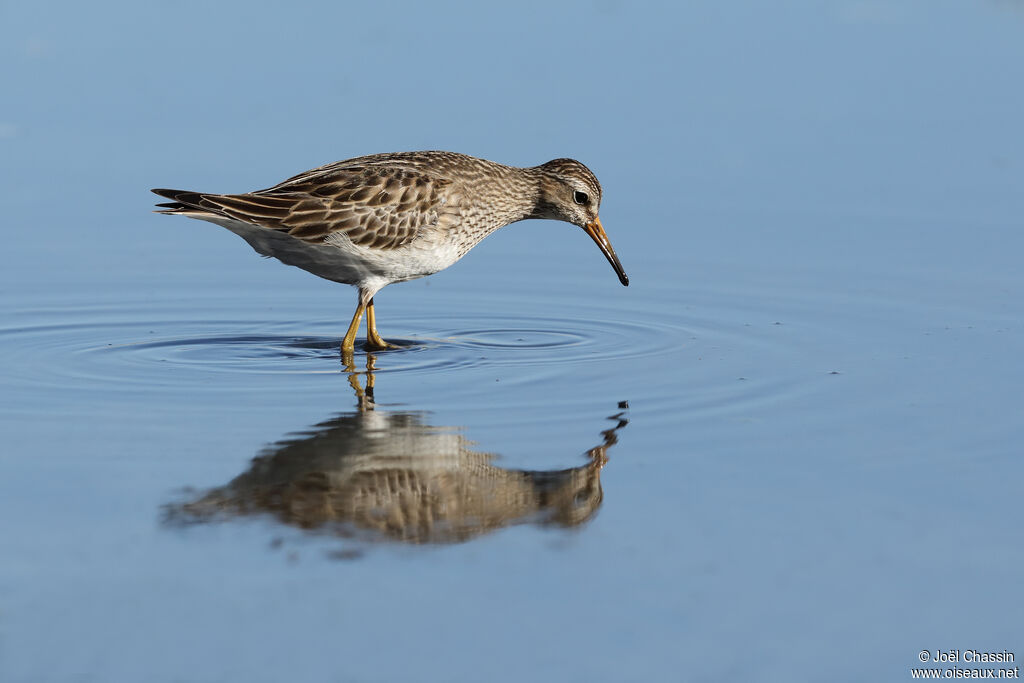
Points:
(580, 197)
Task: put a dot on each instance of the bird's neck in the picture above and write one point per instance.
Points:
(512, 195)
(542, 192)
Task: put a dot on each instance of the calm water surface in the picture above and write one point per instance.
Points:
(790, 450)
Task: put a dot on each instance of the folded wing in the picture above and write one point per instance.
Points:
(374, 206)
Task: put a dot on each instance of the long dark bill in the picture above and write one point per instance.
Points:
(596, 232)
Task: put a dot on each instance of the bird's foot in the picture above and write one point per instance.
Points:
(378, 344)
(374, 342)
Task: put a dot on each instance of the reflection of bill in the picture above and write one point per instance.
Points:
(391, 476)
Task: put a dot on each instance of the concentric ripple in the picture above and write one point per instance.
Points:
(121, 351)
(104, 351)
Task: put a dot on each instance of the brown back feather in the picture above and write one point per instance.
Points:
(374, 206)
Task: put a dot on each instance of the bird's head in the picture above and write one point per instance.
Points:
(570, 192)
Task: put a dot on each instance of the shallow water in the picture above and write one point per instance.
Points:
(790, 450)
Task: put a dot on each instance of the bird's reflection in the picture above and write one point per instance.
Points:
(389, 475)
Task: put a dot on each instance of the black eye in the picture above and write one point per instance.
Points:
(580, 197)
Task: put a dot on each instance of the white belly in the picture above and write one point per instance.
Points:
(339, 260)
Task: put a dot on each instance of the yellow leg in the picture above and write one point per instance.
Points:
(373, 338)
(348, 344)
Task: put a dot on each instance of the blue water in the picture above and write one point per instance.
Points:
(789, 450)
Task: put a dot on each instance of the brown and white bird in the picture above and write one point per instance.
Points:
(374, 220)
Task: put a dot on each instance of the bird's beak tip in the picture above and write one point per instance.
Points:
(597, 233)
